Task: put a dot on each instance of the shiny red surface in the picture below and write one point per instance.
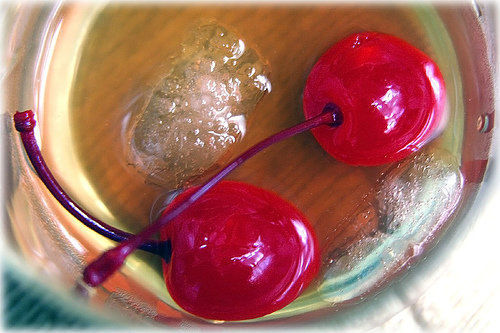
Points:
(392, 97)
(239, 252)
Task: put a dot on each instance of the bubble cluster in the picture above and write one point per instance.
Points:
(199, 109)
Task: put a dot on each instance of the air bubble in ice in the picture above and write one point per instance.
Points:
(199, 109)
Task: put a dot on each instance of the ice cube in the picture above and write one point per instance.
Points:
(419, 193)
(199, 109)
(416, 198)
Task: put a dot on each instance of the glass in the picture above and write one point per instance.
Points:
(66, 61)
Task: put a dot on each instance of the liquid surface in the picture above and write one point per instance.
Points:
(122, 56)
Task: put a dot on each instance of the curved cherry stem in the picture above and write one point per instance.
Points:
(110, 261)
(25, 124)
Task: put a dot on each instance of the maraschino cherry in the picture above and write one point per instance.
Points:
(392, 97)
(239, 252)
(233, 251)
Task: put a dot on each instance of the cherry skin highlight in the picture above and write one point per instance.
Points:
(392, 97)
(239, 252)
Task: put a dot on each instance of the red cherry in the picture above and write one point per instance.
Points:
(392, 97)
(239, 252)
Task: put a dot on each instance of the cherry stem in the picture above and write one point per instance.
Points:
(25, 124)
(104, 266)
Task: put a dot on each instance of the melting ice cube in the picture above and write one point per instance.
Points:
(415, 198)
(199, 109)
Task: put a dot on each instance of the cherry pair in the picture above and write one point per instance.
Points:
(233, 251)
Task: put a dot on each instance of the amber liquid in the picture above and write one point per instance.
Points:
(126, 49)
